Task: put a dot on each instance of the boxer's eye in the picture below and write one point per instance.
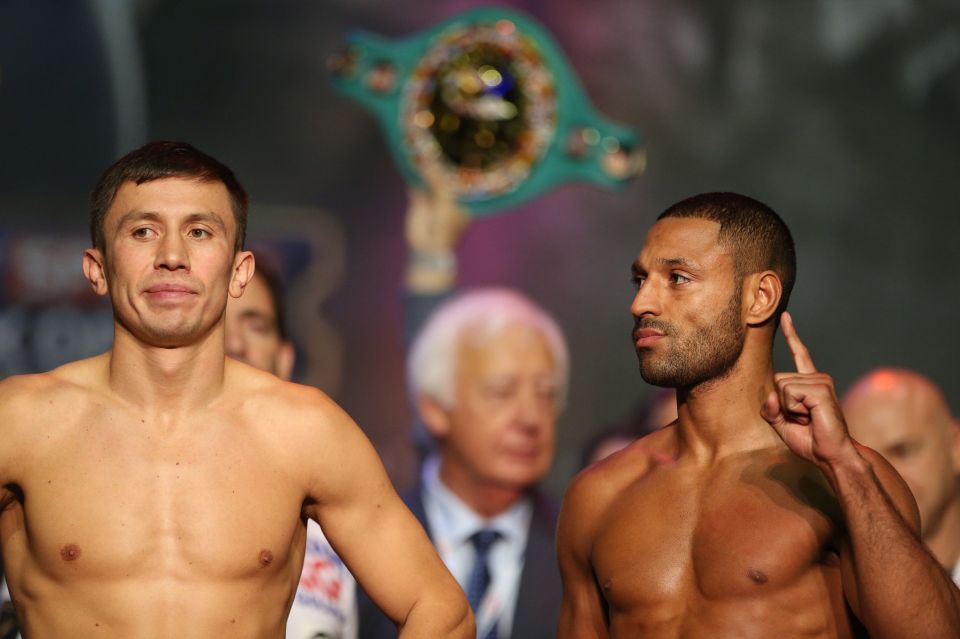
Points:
(679, 278)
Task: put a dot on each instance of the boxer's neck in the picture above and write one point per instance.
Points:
(167, 379)
(722, 416)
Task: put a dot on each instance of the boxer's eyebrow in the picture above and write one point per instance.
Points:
(207, 217)
(138, 216)
(678, 261)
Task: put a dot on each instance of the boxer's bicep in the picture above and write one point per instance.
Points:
(380, 541)
(582, 610)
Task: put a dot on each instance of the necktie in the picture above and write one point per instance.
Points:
(479, 579)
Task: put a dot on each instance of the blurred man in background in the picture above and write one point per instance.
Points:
(904, 416)
(255, 333)
(488, 372)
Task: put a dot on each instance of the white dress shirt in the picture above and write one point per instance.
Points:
(326, 600)
(452, 523)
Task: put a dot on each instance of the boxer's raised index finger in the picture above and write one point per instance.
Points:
(801, 356)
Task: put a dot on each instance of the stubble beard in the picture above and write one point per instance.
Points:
(696, 356)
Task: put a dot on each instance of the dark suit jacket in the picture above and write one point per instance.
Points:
(538, 598)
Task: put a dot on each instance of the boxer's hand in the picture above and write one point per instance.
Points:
(804, 409)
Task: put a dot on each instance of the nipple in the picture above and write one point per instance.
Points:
(757, 576)
(266, 558)
(70, 552)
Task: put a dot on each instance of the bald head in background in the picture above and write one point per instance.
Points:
(905, 417)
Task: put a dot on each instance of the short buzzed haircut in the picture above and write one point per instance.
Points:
(757, 237)
(158, 160)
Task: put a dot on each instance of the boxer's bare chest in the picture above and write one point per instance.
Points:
(746, 529)
(120, 495)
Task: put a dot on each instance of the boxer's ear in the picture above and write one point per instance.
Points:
(435, 417)
(762, 293)
(244, 266)
(95, 270)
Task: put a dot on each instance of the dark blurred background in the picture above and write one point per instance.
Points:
(843, 115)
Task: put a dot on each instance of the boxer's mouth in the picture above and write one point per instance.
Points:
(169, 291)
(644, 337)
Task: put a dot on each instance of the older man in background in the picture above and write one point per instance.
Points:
(255, 333)
(488, 372)
(905, 417)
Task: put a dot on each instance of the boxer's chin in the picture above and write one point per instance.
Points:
(170, 332)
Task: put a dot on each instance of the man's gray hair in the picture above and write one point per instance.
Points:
(432, 364)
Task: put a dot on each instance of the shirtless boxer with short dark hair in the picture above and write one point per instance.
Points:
(719, 525)
(121, 473)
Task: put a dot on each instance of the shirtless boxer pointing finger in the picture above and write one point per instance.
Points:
(754, 514)
(120, 474)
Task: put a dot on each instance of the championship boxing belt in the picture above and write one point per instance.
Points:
(486, 105)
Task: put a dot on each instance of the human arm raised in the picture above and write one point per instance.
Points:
(892, 582)
(380, 541)
(434, 224)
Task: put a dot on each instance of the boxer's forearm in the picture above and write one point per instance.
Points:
(445, 616)
(901, 589)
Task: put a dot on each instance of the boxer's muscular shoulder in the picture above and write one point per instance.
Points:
(309, 433)
(297, 405)
(634, 462)
(37, 397)
(33, 408)
(293, 414)
(598, 486)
